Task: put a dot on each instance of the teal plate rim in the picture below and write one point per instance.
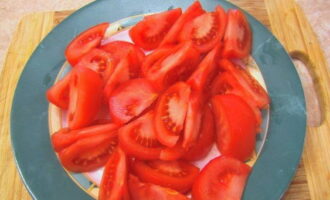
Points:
(37, 163)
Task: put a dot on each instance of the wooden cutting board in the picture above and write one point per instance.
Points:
(283, 17)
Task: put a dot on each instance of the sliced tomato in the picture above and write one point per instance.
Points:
(172, 153)
(147, 191)
(84, 42)
(236, 126)
(85, 97)
(152, 58)
(192, 12)
(119, 49)
(58, 94)
(251, 87)
(225, 83)
(222, 178)
(170, 113)
(177, 175)
(66, 137)
(88, 154)
(177, 66)
(138, 138)
(130, 99)
(205, 139)
(206, 30)
(119, 75)
(149, 32)
(238, 36)
(114, 180)
(98, 60)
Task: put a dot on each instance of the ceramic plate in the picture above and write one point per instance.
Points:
(279, 146)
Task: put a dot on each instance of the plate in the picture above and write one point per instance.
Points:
(38, 165)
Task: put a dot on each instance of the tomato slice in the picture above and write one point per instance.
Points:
(147, 191)
(177, 175)
(58, 94)
(85, 97)
(251, 87)
(138, 138)
(149, 32)
(84, 42)
(98, 60)
(192, 11)
(66, 137)
(206, 30)
(225, 83)
(172, 153)
(170, 113)
(177, 66)
(236, 126)
(238, 36)
(88, 154)
(130, 99)
(222, 178)
(205, 139)
(114, 180)
(119, 49)
(152, 58)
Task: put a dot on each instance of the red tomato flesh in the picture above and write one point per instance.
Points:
(59, 93)
(222, 178)
(84, 42)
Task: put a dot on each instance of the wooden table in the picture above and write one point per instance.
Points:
(283, 17)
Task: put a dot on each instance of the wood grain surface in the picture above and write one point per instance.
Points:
(287, 23)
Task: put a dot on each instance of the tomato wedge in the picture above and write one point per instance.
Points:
(170, 113)
(177, 175)
(206, 30)
(98, 60)
(66, 137)
(192, 11)
(251, 87)
(222, 178)
(152, 58)
(172, 153)
(114, 180)
(138, 138)
(225, 83)
(130, 99)
(238, 36)
(147, 191)
(84, 42)
(85, 97)
(177, 66)
(236, 126)
(149, 32)
(88, 154)
(205, 139)
(58, 94)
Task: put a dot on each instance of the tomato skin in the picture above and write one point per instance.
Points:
(177, 66)
(148, 191)
(138, 138)
(99, 61)
(236, 126)
(58, 94)
(205, 139)
(222, 178)
(85, 97)
(66, 137)
(251, 87)
(114, 180)
(170, 113)
(149, 32)
(84, 42)
(206, 30)
(88, 154)
(130, 99)
(192, 11)
(177, 175)
(238, 36)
